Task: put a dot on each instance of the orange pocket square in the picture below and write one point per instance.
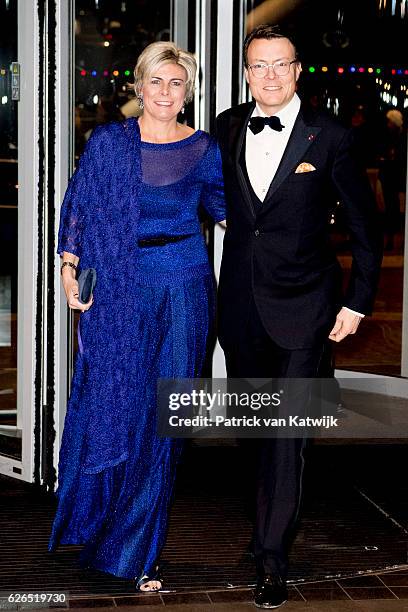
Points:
(304, 167)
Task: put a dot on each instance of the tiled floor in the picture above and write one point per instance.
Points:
(380, 592)
(290, 606)
(341, 534)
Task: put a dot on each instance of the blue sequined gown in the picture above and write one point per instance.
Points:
(153, 308)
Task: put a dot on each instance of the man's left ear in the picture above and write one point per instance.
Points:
(298, 70)
(246, 74)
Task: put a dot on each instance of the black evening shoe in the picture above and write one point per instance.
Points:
(271, 592)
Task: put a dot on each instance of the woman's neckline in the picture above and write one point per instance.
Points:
(171, 143)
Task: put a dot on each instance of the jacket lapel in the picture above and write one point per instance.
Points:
(301, 138)
(238, 128)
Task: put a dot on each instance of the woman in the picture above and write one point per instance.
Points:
(130, 211)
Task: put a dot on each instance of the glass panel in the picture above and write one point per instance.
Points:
(349, 74)
(10, 436)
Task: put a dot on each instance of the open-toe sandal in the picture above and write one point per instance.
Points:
(143, 582)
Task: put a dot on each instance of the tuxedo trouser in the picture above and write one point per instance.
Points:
(279, 461)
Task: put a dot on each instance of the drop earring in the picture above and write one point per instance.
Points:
(182, 110)
(140, 100)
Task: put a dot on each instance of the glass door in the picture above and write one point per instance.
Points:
(18, 233)
(10, 431)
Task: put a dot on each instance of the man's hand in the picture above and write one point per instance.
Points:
(346, 323)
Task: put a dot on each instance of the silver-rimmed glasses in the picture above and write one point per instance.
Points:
(280, 68)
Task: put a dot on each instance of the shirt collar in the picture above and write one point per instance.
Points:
(288, 113)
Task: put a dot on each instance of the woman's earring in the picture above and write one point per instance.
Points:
(140, 100)
(182, 110)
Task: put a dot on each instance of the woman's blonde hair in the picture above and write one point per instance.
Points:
(163, 52)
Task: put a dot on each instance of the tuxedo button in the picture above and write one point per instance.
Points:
(257, 232)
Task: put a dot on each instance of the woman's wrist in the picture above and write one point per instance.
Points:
(68, 274)
(70, 266)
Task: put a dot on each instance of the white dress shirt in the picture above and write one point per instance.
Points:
(264, 151)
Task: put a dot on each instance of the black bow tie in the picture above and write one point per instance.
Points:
(257, 124)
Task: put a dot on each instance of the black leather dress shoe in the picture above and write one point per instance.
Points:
(271, 592)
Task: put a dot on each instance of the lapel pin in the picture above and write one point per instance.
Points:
(311, 137)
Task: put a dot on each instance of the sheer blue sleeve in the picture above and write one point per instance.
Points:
(212, 197)
(74, 204)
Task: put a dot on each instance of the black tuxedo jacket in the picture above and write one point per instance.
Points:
(279, 253)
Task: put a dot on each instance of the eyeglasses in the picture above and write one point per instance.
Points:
(280, 68)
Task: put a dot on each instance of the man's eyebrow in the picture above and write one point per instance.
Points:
(279, 59)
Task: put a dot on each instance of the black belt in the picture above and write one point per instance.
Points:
(161, 240)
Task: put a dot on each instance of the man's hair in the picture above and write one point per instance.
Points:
(265, 31)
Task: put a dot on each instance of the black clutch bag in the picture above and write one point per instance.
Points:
(86, 284)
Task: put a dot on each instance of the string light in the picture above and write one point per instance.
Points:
(359, 70)
(312, 69)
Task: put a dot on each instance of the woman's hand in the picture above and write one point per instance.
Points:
(71, 291)
(70, 285)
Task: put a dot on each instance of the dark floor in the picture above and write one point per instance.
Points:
(351, 545)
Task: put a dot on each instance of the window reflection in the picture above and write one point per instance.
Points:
(353, 67)
(109, 36)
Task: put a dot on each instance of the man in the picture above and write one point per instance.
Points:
(280, 283)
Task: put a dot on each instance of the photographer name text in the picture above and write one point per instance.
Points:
(324, 422)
